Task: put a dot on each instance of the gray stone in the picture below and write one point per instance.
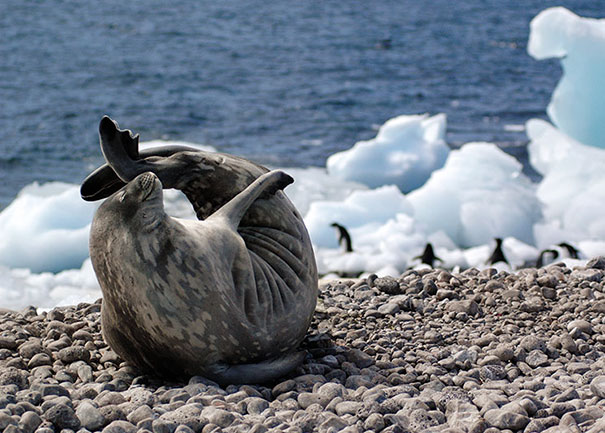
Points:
(140, 396)
(492, 372)
(73, 353)
(578, 367)
(536, 358)
(531, 342)
(256, 405)
(161, 426)
(62, 416)
(539, 425)
(139, 414)
(8, 342)
(14, 376)
(109, 397)
(332, 424)
(580, 324)
(348, 407)
(421, 419)
(506, 420)
(597, 386)
(120, 426)
(6, 420)
(388, 285)
(29, 421)
(389, 309)
(448, 394)
(218, 416)
(359, 358)
(29, 349)
(504, 352)
(374, 422)
(178, 418)
(306, 399)
(596, 263)
(90, 417)
(113, 412)
(53, 389)
(467, 306)
(39, 359)
(184, 429)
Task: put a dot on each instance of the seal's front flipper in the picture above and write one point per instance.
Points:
(261, 372)
(268, 183)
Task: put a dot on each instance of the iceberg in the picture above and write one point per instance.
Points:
(46, 228)
(573, 187)
(577, 106)
(478, 195)
(358, 209)
(406, 150)
(22, 287)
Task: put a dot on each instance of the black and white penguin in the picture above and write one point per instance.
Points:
(543, 258)
(498, 254)
(428, 256)
(343, 237)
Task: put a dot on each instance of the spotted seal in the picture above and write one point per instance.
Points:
(229, 296)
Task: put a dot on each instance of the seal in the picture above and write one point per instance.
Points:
(229, 296)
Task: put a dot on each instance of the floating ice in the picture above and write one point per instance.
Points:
(314, 184)
(46, 228)
(404, 153)
(22, 287)
(577, 106)
(479, 194)
(573, 186)
(358, 209)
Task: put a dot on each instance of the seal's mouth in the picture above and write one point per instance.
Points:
(148, 183)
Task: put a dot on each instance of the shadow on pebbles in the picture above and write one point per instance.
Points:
(430, 351)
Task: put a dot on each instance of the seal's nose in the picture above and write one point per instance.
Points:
(147, 183)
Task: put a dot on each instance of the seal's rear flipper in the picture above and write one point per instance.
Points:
(120, 149)
(261, 372)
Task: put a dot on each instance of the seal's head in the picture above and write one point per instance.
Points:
(138, 205)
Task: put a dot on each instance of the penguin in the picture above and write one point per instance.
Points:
(498, 254)
(428, 255)
(343, 237)
(540, 261)
(571, 250)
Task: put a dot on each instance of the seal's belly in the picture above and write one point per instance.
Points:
(225, 305)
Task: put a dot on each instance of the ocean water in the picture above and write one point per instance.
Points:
(283, 83)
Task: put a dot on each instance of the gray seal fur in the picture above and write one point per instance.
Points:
(230, 296)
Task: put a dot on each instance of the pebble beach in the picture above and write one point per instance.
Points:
(430, 351)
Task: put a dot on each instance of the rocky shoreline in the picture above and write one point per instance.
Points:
(430, 351)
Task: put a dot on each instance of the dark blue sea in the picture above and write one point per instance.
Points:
(286, 83)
